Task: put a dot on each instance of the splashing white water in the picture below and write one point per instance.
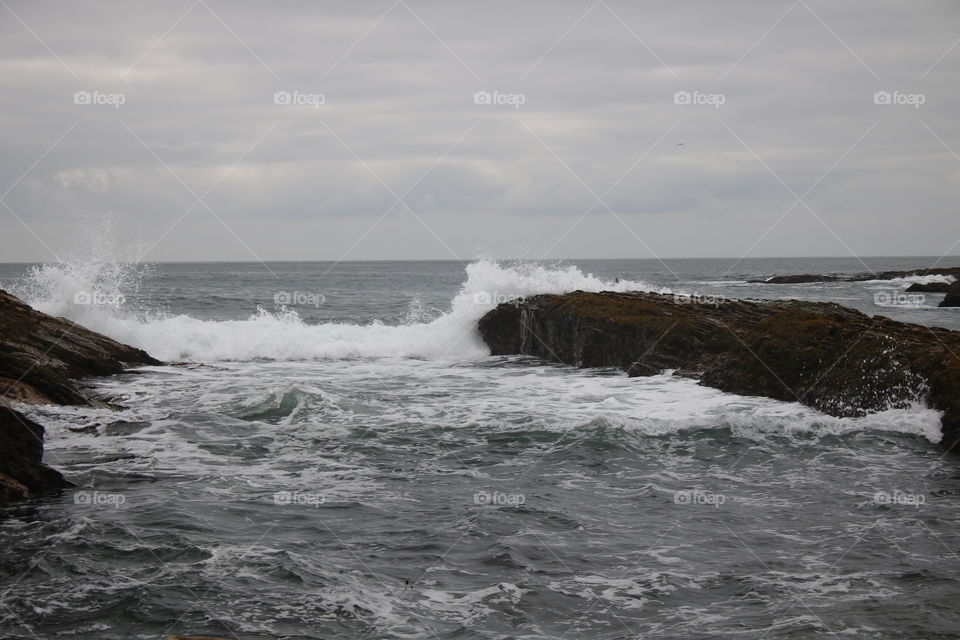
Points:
(93, 280)
(281, 334)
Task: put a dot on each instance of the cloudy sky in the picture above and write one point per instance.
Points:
(215, 130)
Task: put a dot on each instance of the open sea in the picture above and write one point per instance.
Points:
(331, 452)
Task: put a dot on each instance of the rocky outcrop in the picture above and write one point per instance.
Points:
(824, 355)
(41, 357)
(861, 277)
(953, 296)
(40, 354)
(931, 287)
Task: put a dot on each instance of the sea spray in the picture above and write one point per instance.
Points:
(280, 333)
(92, 283)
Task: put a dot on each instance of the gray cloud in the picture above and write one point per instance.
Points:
(286, 181)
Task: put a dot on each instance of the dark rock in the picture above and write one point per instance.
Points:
(22, 474)
(642, 369)
(953, 296)
(121, 428)
(862, 277)
(824, 355)
(40, 357)
(890, 275)
(932, 287)
(951, 430)
(842, 364)
(798, 279)
(39, 354)
(502, 324)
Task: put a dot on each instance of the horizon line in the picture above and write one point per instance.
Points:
(512, 259)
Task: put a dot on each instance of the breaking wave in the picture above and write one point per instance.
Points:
(98, 295)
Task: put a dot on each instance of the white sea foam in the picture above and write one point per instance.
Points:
(560, 399)
(280, 334)
(909, 280)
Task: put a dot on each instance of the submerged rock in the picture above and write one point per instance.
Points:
(40, 359)
(821, 354)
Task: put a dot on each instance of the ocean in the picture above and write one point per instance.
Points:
(331, 452)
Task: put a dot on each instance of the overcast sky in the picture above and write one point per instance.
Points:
(179, 122)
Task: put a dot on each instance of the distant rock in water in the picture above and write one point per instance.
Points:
(890, 275)
(799, 279)
(821, 354)
(862, 277)
(931, 287)
(40, 356)
(953, 296)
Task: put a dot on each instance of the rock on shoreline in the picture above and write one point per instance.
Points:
(41, 357)
(821, 354)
